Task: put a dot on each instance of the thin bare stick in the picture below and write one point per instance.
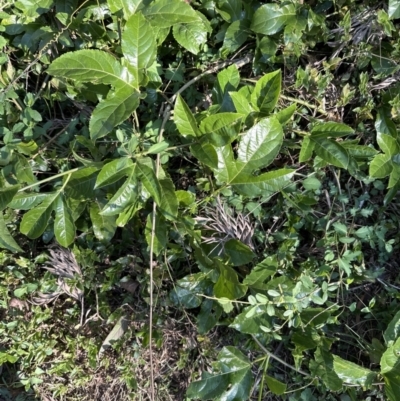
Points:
(273, 356)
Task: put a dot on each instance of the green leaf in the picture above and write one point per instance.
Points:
(128, 7)
(323, 367)
(392, 331)
(331, 129)
(138, 42)
(119, 329)
(242, 105)
(352, 373)
(6, 239)
(230, 10)
(148, 177)
(126, 195)
(284, 115)
(381, 166)
(266, 92)
(165, 13)
(251, 318)
(387, 144)
(208, 316)
(228, 285)
(227, 81)
(390, 369)
(222, 128)
(113, 111)
(239, 253)
(384, 124)
(160, 233)
(331, 152)
(169, 201)
(234, 371)
(93, 66)
(276, 386)
(23, 170)
(64, 227)
(271, 18)
(187, 289)
(34, 222)
(34, 8)
(394, 9)
(103, 226)
(260, 145)
(261, 272)
(190, 36)
(81, 183)
(6, 195)
(26, 201)
(184, 119)
(307, 148)
(113, 171)
(236, 34)
(206, 154)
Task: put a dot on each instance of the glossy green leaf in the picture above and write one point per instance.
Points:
(169, 201)
(239, 254)
(242, 105)
(26, 201)
(284, 115)
(208, 316)
(271, 18)
(138, 42)
(236, 35)
(331, 152)
(206, 154)
(331, 129)
(34, 222)
(6, 239)
(307, 148)
(103, 226)
(234, 370)
(276, 386)
(128, 7)
(94, 66)
(227, 81)
(34, 8)
(64, 227)
(266, 92)
(184, 119)
(387, 144)
(187, 290)
(113, 111)
(126, 195)
(260, 145)
(390, 369)
(165, 13)
(222, 128)
(81, 184)
(228, 285)
(157, 148)
(384, 124)
(148, 177)
(352, 373)
(392, 332)
(6, 195)
(114, 171)
(23, 170)
(230, 10)
(190, 36)
(394, 9)
(381, 166)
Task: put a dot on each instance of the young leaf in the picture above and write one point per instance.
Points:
(128, 7)
(6, 240)
(276, 386)
(64, 227)
(387, 144)
(394, 9)
(113, 111)
(381, 166)
(138, 42)
(35, 221)
(184, 119)
(242, 105)
(284, 115)
(266, 92)
(307, 148)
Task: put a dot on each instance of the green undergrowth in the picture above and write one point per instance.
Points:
(199, 200)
